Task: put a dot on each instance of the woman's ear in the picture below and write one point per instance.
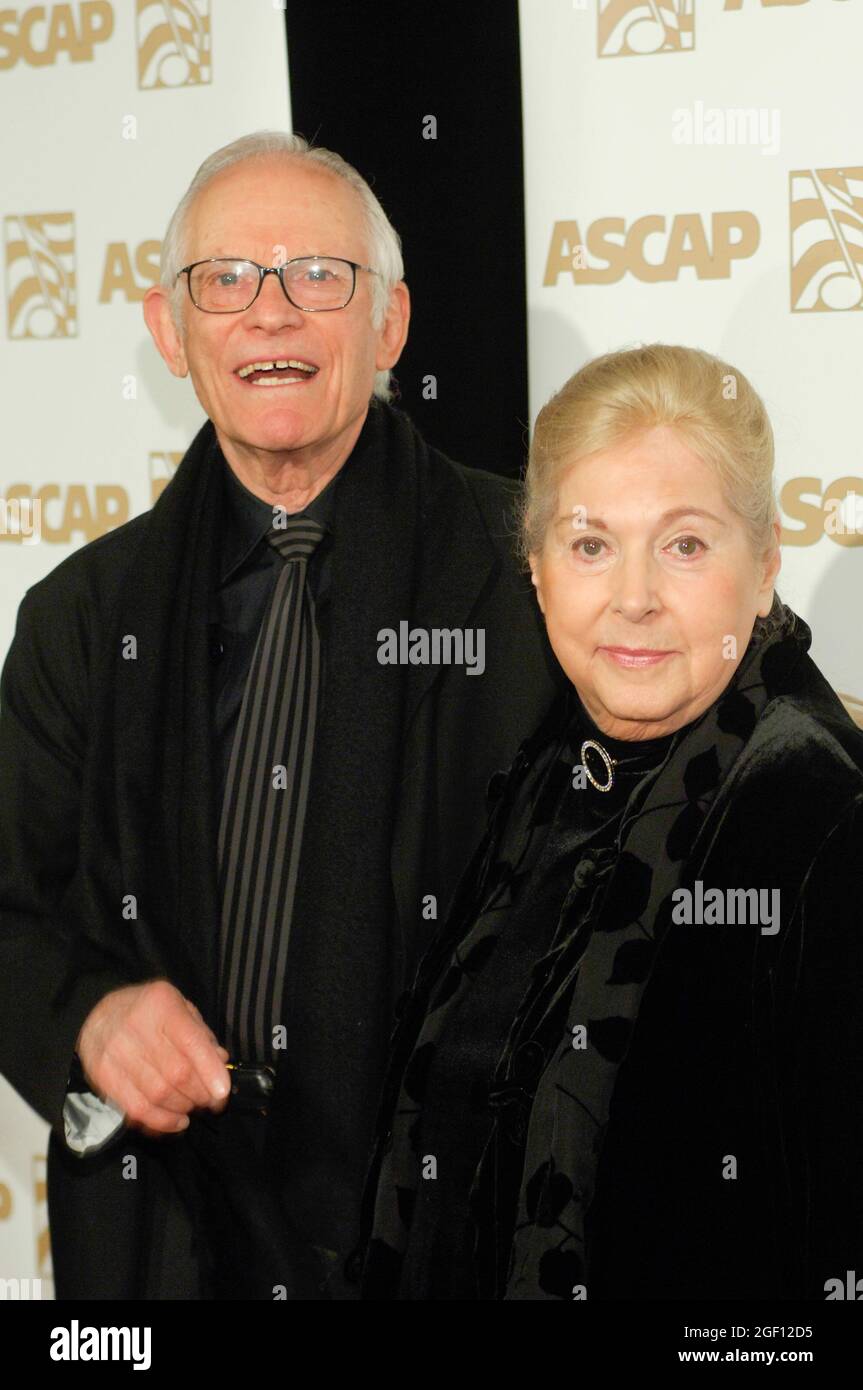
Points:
(771, 568)
(533, 561)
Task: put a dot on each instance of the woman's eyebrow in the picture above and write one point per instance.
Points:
(596, 523)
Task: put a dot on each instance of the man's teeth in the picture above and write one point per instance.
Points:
(280, 362)
(277, 381)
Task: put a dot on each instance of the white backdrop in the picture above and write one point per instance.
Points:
(632, 110)
(107, 107)
(729, 121)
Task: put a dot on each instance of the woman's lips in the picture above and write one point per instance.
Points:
(633, 658)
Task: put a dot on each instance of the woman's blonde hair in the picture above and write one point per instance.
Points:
(620, 395)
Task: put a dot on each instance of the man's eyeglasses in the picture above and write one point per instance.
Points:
(224, 285)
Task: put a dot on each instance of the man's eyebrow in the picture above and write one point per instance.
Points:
(596, 523)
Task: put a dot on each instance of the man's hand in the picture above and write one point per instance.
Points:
(147, 1048)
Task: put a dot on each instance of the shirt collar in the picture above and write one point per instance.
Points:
(248, 517)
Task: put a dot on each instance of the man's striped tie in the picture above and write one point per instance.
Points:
(264, 805)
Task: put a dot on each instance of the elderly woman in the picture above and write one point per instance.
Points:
(631, 1062)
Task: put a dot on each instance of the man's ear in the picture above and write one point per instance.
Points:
(394, 330)
(157, 314)
(533, 561)
(772, 566)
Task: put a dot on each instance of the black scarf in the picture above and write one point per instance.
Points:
(548, 1097)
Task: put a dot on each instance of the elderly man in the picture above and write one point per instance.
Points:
(245, 740)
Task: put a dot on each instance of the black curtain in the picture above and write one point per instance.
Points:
(364, 79)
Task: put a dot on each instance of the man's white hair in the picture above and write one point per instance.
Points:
(384, 243)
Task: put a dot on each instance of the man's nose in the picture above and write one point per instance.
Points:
(272, 306)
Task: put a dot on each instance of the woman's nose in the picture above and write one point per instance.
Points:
(634, 583)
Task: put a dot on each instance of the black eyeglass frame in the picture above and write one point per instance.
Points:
(264, 270)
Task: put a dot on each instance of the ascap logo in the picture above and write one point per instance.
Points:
(40, 1224)
(640, 28)
(173, 43)
(826, 239)
(733, 236)
(40, 275)
(162, 467)
(40, 34)
(118, 276)
(70, 509)
(837, 511)
(628, 28)
(43, 1285)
